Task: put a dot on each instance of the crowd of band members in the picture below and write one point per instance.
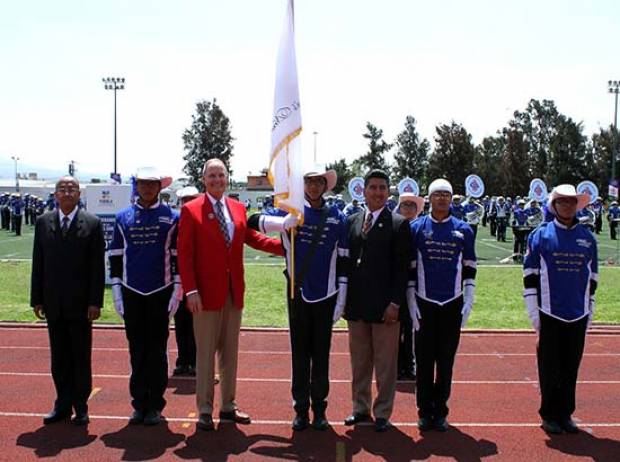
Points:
(400, 273)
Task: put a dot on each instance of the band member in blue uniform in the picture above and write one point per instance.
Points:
(598, 211)
(440, 297)
(146, 290)
(520, 230)
(473, 212)
(353, 208)
(613, 216)
(560, 275)
(456, 208)
(17, 213)
(502, 216)
(321, 260)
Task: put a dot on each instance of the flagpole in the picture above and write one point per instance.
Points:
(292, 263)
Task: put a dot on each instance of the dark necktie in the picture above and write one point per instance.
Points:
(367, 224)
(65, 226)
(222, 221)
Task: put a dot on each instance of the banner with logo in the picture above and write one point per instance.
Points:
(587, 187)
(356, 188)
(538, 190)
(408, 185)
(474, 186)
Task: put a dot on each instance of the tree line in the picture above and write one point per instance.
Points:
(537, 142)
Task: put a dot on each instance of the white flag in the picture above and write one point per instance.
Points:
(285, 164)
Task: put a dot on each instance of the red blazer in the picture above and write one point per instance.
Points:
(205, 263)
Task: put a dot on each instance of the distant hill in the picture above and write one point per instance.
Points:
(7, 170)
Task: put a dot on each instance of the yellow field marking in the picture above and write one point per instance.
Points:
(191, 415)
(94, 392)
(341, 452)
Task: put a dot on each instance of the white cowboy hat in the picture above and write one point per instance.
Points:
(187, 191)
(410, 197)
(567, 190)
(152, 174)
(330, 175)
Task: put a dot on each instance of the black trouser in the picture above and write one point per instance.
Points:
(501, 228)
(146, 327)
(493, 225)
(560, 348)
(27, 216)
(311, 334)
(474, 228)
(184, 334)
(612, 229)
(4, 220)
(71, 346)
(598, 223)
(484, 220)
(17, 224)
(520, 240)
(435, 348)
(406, 360)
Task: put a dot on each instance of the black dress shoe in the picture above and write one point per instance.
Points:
(56, 416)
(81, 418)
(300, 422)
(441, 424)
(552, 427)
(236, 416)
(180, 370)
(569, 426)
(205, 422)
(381, 424)
(152, 418)
(136, 417)
(356, 418)
(319, 422)
(425, 424)
(191, 371)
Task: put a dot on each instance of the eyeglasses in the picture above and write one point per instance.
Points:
(408, 204)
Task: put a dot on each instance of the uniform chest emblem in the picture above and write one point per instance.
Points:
(457, 234)
(584, 243)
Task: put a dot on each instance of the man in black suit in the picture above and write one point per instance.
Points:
(379, 249)
(68, 276)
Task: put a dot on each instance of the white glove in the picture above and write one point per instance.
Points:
(341, 301)
(175, 299)
(468, 301)
(271, 224)
(592, 309)
(533, 310)
(290, 221)
(414, 309)
(117, 297)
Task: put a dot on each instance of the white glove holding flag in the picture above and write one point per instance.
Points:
(341, 301)
(117, 297)
(414, 309)
(592, 309)
(175, 299)
(468, 302)
(271, 224)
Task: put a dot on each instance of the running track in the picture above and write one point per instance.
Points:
(493, 407)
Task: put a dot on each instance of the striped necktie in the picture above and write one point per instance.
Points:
(367, 224)
(222, 221)
(65, 226)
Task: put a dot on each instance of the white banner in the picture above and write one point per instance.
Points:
(474, 186)
(285, 164)
(589, 188)
(408, 185)
(356, 188)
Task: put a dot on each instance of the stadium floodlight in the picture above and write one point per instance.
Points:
(614, 88)
(15, 159)
(114, 83)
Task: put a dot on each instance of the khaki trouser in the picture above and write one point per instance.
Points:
(217, 332)
(373, 345)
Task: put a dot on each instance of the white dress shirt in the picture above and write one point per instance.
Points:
(230, 225)
(71, 216)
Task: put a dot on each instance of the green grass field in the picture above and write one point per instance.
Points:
(489, 251)
(498, 297)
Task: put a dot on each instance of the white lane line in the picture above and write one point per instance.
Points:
(288, 380)
(333, 424)
(287, 353)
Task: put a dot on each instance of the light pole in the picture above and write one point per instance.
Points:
(315, 134)
(114, 83)
(15, 159)
(614, 87)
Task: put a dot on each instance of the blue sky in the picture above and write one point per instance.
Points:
(472, 61)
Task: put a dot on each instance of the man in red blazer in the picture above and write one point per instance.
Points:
(212, 231)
